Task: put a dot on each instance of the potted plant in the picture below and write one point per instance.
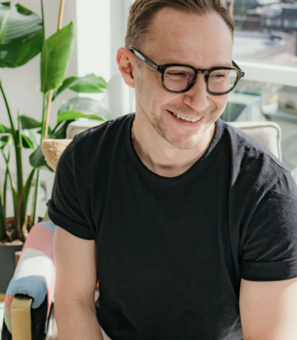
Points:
(22, 37)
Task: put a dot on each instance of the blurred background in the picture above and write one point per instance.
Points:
(265, 47)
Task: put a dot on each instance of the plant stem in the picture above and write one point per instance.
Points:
(14, 192)
(62, 3)
(20, 204)
(8, 111)
(9, 173)
(47, 114)
(19, 158)
(42, 16)
(27, 188)
(34, 219)
(5, 182)
(3, 225)
(43, 118)
(34, 214)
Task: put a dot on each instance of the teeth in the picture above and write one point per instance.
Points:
(186, 118)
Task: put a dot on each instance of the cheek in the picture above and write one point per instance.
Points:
(150, 92)
(220, 103)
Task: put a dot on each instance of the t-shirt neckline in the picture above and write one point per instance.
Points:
(189, 174)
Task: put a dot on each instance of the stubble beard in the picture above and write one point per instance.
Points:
(181, 143)
(157, 123)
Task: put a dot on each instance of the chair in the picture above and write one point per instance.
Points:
(25, 319)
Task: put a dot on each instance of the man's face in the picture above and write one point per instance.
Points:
(200, 41)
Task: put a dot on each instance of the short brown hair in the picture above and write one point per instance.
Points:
(142, 12)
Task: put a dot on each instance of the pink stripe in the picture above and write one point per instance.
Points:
(42, 239)
(8, 301)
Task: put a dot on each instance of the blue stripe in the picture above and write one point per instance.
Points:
(32, 286)
(49, 225)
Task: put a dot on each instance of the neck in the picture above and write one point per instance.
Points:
(161, 157)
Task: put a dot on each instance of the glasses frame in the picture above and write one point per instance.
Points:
(162, 70)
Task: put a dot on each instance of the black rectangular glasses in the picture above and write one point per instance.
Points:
(179, 78)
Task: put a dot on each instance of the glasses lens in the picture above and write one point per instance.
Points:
(178, 78)
(220, 81)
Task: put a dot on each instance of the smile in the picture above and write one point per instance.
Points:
(193, 120)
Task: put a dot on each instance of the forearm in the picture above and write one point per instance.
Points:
(77, 321)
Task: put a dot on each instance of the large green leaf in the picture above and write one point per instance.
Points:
(27, 143)
(21, 35)
(3, 141)
(70, 115)
(29, 123)
(4, 129)
(37, 160)
(87, 84)
(61, 132)
(55, 56)
(83, 105)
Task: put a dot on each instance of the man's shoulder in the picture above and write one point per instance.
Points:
(97, 146)
(103, 133)
(252, 163)
(246, 148)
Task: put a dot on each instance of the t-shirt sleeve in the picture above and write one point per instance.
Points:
(64, 207)
(269, 248)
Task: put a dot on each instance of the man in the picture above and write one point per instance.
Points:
(189, 225)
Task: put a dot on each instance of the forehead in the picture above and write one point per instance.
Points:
(180, 37)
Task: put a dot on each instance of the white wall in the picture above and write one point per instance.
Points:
(101, 26)
(121, 97)
(93, 37)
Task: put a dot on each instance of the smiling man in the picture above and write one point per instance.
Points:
(189, 225)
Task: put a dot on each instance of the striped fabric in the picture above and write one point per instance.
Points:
(35, 273)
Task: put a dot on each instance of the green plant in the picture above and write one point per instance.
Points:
(22, 37)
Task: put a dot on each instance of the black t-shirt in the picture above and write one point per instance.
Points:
(171, 251)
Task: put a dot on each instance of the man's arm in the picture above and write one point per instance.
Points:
(269, 310)
(75, 314)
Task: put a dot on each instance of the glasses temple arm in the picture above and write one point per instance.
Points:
(145, 59)
(234, 63)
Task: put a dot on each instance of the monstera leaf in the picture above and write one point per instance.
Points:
(21, 35)
(55, 56)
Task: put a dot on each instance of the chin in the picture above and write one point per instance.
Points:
(183, 143)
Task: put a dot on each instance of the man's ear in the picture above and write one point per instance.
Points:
(126, 65)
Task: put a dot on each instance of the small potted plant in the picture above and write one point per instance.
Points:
(23, 38)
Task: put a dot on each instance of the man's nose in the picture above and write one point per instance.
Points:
(197, 96)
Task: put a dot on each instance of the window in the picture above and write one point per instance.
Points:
(266, 31)
(265, 47)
